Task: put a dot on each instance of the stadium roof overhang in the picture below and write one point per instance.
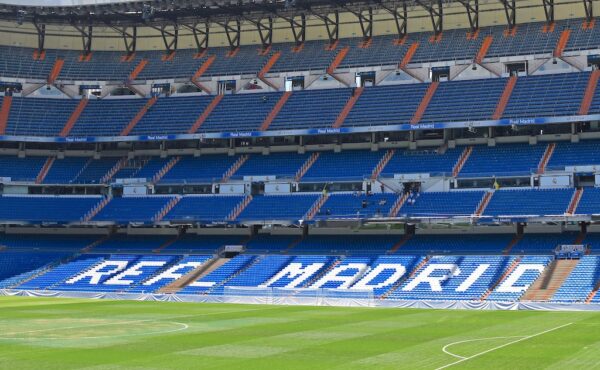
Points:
(159, 12)
(57, 3)
(198, 16)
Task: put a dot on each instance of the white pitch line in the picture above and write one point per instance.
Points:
(125, 322)
(80, 327)
(444, 349)
(181, 327)
(502, 346)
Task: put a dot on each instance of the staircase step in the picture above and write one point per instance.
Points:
(515, 240)
(562, 42)
(307, 165)
(204, 67)
(166, 168)
(138, 117)
(4, 113)
(505, 97)
(312, 212)
(339, 121)
(44, 171)
(550, 280)
(409, 55)
(196, 274)
(398, 205)
(462, 160)
(590, 91)
(235, 167)
(506, 274)
(425, 102)
(239, 208)
(339, 58)
(138, 69)
(485, 46)
(270, 63)
(56, 69)
(97, 208)
(275, 111)
(575, 201)
(484, 203)
(382, 163)
(546, 158)
(166, 209)
(73, 118)
(207, 111)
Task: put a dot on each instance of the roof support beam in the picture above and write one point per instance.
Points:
(298, 28)
(86, 37)
(129, 37)
(170, 37)
(41, 35)
(400, 14)
(589, 9)
(510, 10)
(332, 24)
(265, 31)
(233, 31)
(472, 8)
(549, 10)
(365, 19)
(200, 35)
(436, 13)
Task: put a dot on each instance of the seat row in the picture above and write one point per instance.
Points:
(536, 96)
(293, 208)
(394, 277)
(442, 244)
(529, 38)
(502, 160)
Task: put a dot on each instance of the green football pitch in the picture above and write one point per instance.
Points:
(50, 333)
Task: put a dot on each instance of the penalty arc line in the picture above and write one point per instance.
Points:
(445, 348)
(164, 319)
(502, 346)
(181, 327)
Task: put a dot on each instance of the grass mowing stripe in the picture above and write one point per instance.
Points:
(250, 337)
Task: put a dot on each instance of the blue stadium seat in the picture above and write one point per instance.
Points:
(509, 202)
(132, 209)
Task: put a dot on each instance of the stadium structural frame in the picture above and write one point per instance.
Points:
(125, 17)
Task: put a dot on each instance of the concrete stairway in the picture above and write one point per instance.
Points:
(306, 166)
(138, 69)
(198, 273)
(45, 169)
(550, 280)
(485, 46)
(562, 43)
(314, 210)
(505, 275)
(505, 97)
(425, 102)
(4, 113)
(461, 161)
(484, 203)
(546, 158)
(406, 277)
(382, 163)
(589, 94)
(73, 118)
(409, 54)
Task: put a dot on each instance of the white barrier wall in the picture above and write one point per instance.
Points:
(313, 301)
